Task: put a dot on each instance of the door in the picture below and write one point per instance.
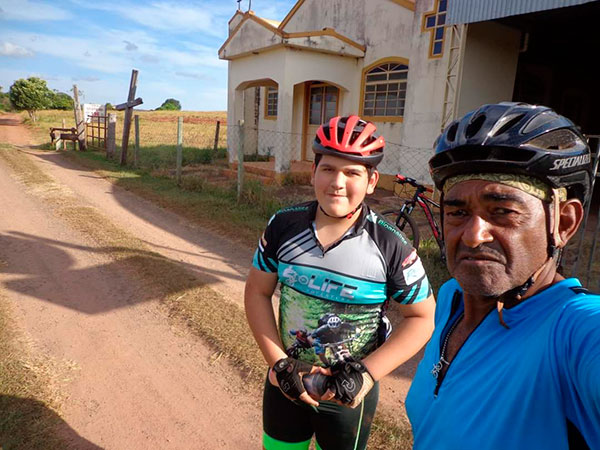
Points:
(321, 105)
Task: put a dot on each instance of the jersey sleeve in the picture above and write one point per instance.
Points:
(578, 340)
(407, 280)
(265, 256)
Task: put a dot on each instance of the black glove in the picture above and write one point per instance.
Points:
(351, 381)
(289, 373)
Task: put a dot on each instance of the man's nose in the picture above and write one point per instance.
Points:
(338, 180)
(476, 232)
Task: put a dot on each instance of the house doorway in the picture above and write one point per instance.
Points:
(321, 104)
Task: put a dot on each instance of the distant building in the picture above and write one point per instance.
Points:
(408, 66)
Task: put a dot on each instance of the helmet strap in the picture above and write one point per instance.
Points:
(554, 255)
(347, 216)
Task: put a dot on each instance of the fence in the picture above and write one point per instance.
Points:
(262, 143)
(581, 255)
(95, 132)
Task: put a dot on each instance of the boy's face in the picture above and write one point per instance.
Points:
(341, 185)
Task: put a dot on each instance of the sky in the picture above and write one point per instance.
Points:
(96, 44)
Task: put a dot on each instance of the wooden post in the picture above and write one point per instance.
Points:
(136, 152)
(240, 152)
(217, 135)
(111, 135)
(64, 143)
(128, 108)
(79, 120)
(179, 149)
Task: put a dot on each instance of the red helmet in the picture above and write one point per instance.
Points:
(351, 138)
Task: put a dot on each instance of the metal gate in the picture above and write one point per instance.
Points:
(95, 132)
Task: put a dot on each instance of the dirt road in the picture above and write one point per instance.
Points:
(134, 381)
(137, 382)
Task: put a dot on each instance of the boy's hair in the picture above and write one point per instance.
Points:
(370, 169)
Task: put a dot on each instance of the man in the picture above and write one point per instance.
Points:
(338, 263)
(514, 360)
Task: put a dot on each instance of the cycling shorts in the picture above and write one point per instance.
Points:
(291, 425)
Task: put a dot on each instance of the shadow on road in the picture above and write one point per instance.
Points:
(27, 423)
(50, 272)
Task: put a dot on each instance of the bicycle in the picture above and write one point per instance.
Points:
(407, 224)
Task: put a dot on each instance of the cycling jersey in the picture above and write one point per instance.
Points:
(531, 386)
(332, 301)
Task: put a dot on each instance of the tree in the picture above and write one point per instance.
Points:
(4, 101)
(60, 100)
(170, 104)
(31, 95)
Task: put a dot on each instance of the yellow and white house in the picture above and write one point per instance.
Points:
(398, 63)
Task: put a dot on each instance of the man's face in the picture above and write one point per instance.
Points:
(341, 185)
(496, 236)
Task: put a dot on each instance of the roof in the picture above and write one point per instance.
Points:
(326, 40)
(469, 11)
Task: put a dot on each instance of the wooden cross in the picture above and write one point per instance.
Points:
(128, 107)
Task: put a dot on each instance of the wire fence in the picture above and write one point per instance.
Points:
(262, 144)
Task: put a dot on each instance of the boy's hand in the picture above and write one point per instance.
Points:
(289, 372)
(351, 381)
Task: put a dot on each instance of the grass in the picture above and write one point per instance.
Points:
(28, 419)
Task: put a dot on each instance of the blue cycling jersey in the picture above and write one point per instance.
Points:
(532, 386)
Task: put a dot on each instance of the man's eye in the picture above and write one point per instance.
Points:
(503, 211)
(456, 213)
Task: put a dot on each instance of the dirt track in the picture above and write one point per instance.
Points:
(137, 382)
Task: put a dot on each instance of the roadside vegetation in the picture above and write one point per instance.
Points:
(27, 401)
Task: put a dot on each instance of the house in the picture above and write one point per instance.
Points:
(409, 66)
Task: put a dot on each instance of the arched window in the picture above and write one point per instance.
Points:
(384, 91)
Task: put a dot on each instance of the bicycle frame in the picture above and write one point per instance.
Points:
(419, 198)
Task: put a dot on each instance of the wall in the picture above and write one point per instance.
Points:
(490, 65)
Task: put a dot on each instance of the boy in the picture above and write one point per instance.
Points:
(338, 263)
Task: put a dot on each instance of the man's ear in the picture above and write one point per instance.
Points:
(312, 174)
(571, 215)
(373, 179)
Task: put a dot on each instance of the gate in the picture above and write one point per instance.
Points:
(95, 132)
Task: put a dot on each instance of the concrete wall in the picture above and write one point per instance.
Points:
(490, 65)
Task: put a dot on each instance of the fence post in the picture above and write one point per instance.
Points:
(240, 152)
(217, 135)
(64, 142)
(79, 120)
(136, 151)
(179, 149)
(111, 135)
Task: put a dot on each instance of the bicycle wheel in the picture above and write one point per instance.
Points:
(405, 223)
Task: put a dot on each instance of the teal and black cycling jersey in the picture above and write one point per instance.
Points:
(334, 300)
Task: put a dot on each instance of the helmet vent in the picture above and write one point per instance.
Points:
(506, 123)
(561, 140)
(451, 134)
(474, 127)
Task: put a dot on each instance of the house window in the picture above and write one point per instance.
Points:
(323, 103)
(434, 22)
(271, 102)
(385, 91)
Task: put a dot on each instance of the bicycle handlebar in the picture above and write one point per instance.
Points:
(401, 179)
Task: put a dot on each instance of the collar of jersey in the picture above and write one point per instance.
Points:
(358, 225)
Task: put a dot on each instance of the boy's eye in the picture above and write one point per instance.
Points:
(456, 213)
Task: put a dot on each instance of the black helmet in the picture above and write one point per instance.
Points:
(515, 138)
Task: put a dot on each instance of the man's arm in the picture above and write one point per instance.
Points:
(405, 341)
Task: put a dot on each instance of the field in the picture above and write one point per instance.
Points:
(158, 134)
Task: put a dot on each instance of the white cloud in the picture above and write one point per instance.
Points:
(9, 49)
(31, 11)
(174, 17)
